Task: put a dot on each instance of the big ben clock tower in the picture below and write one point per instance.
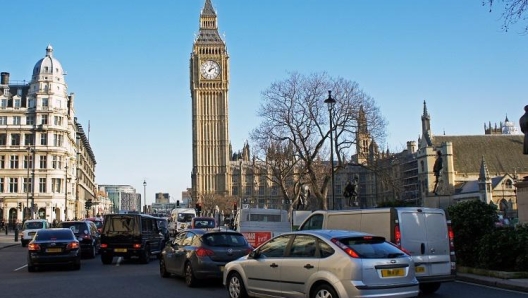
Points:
(209, 78)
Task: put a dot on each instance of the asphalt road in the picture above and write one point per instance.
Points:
(133, 280)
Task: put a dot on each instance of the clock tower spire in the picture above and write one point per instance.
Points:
(209, 84)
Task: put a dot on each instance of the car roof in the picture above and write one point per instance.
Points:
(212, 231)
(328, 234)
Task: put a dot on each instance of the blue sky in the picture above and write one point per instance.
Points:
(128, 65)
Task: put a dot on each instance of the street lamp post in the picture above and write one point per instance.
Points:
(331, 102)
(26, 216)
(144, 194)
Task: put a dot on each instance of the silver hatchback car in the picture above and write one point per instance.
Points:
(323, 263)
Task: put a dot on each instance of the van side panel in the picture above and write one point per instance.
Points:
(377, 224)
(341, 221)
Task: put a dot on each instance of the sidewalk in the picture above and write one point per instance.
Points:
(8, 240)
(520, 284)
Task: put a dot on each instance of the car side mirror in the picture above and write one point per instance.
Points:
(255, 254)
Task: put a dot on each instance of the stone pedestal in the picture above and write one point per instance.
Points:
(522, 200)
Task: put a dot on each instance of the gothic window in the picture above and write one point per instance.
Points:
(509, 184)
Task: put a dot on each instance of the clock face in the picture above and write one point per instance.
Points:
(210, 69)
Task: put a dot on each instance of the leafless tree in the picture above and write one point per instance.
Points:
(294, 114)
(514, 12)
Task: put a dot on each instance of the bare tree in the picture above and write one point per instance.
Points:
(514, 11)
(293, 111)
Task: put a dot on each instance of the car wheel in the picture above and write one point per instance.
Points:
(190, 280)
(92, 252)
(163, 268)
(106, 259)
(324, 291)
(31, 268)
(145, 255)
(235, 286)
(429, 288)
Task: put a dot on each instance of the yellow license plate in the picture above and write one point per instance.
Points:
(120, 250)
(392, 272)
(53, 250)
(419, 269)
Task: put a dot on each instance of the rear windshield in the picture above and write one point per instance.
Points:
(33, 225)
(204, 223)
(75, 227)
(44, 235)
(225, 240)
(369, 247)
(124, 224)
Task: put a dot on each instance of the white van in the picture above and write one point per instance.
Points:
(181, 219)
(30, 227)
(424, 233)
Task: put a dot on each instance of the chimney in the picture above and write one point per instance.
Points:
(4, 80)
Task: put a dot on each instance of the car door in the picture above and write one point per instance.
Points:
(181, 251)
(172, 255)
(298, 265)
(263, 273)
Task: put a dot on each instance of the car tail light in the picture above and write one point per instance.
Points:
(137, 245)
(104, 245)
(349, 251)
(451, 235)
(397, 236)
(73, 245)
(33, 247)
(203, 252)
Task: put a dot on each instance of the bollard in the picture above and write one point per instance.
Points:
(16, 234)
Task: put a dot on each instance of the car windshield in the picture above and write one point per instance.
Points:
(225, 239)
(45, 235)
(204, 223)
(185, 217)
(125, 224)
(33, 225)
(371, 247)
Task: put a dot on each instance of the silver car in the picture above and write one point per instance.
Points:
(323, 263)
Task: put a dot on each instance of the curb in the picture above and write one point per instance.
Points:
(503, 284)
(8, 245)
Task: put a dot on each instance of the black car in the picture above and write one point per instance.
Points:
(199, 254)
(130, 235)
(52, 247)
(87, 234)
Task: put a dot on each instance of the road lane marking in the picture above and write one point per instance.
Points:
(21, 267)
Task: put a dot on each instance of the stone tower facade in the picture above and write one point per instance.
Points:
(209, 82)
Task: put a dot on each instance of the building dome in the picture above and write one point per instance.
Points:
(48, 67)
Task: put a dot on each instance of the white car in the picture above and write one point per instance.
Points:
(30, 227)
(323, 263)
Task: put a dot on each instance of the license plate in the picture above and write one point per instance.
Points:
(392, 272)
(120, 250)
(53, 249)
(419, 269)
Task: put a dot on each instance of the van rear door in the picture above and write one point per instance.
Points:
(424, 234)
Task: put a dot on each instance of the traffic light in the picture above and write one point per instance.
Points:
(19, 206)
(88, 204)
